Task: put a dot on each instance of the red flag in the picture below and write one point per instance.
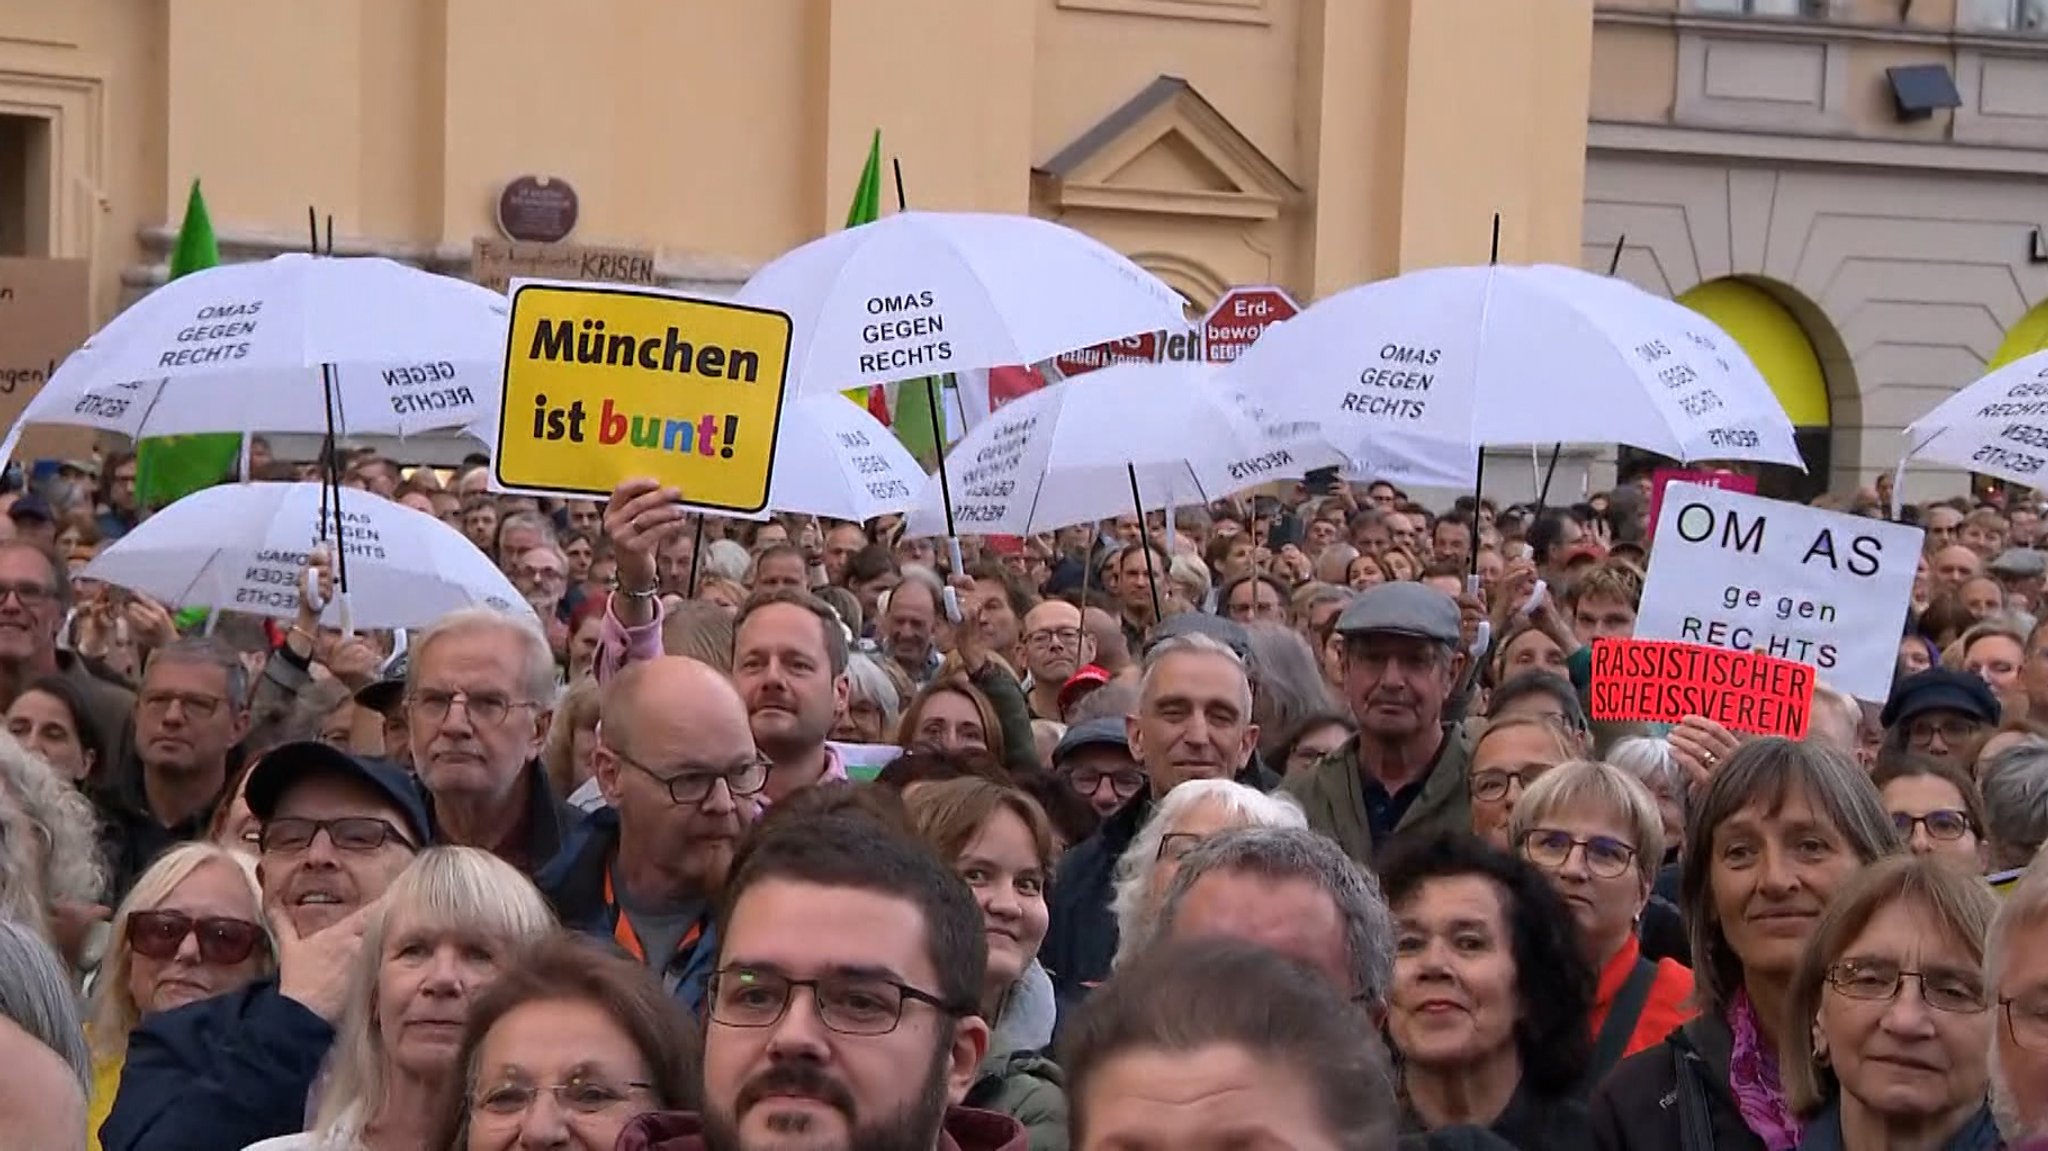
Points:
(1012, 383)
(878, 405)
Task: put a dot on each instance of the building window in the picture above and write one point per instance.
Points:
(2004, 15)
(1811, 9)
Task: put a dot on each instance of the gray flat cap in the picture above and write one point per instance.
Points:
(1404, 608)
(2019, 563)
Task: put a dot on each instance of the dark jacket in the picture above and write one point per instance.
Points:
(1333, 794)
(1638, 1107)
(223, 1072)
(574, 886)
(130, 836)
(1460, 1138)
(109, 707)
(1013, 716)
(1080, 937)
(546, 832)
(965, 1130)
(1979, 1133)
(1532, 1123)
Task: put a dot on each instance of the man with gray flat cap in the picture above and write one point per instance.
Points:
(1404, 772)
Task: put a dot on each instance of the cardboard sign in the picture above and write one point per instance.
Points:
(1738, 571)
(603, 383)
(496, 263)
(1655, 681)
(1664, 477)
(45, 314)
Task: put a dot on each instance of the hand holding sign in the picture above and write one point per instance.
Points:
(1701, 746)
(640, 516)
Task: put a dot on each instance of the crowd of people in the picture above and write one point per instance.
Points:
(1266, 828)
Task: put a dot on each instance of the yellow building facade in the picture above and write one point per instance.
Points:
(1748, 155)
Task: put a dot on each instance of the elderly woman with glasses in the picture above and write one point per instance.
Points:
(445, 929)
(191, 928)
(1890, 1015)
(1595, 833)
(1189, 814)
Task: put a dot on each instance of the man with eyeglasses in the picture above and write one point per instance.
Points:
(34, 597)
(844, 1010)
(189, 717)
(480, 692)
(238, 1068)
(1055, 647)
(681, 779)
(1094, 757)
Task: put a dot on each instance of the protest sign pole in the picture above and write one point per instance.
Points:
(933, 395)
(1557, 449)
(1479, 470)
(1144, 543)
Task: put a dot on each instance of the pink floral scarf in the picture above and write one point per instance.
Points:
(1753, 1075)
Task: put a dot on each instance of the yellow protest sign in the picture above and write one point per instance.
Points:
(603, 383)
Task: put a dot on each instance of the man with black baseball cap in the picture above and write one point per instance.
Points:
(1405, 770)
(1094, 758)
(1941, 714)
(236, 1069)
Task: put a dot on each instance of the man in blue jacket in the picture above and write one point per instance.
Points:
(235, 1069)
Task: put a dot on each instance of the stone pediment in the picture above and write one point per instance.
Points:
(1167, 150)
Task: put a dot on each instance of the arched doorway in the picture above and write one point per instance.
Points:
(1781, 347)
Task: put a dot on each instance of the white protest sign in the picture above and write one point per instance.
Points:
(1746, 573)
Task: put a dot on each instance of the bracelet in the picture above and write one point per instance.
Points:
(642, 593)
(295, 629)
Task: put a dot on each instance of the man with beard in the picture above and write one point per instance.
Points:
(789, 662)
(237, 1068)
(680, 776)
(1405, 771)
(843, 1015)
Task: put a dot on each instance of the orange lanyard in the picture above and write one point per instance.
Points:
(629, 939)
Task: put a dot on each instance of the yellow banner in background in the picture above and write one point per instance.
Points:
(604, 383)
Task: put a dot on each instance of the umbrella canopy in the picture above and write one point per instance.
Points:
(1131, 435)
(242, 547)
(925, 293)
(1498, 356)
(833, 459)
(1997, 426)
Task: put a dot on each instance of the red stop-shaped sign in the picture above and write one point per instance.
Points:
(1132, 349)
(1242, 316)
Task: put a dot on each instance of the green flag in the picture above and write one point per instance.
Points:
(866, 209)
(168, 468)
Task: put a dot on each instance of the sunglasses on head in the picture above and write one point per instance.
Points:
(222, 941)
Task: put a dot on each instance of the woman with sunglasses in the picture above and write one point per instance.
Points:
(191, 929)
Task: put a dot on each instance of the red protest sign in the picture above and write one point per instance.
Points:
(1659, 681)
(1129, 350)
(1664, 477)
(1241, 317)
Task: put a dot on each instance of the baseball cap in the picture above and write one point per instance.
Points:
(31, 507)
(382, 694)
(293, 762)
(1107, 731)
(1403, 608)
(1940, 689)
(1228, 632)
(1087, 679)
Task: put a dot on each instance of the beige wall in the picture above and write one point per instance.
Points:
(1318, 142)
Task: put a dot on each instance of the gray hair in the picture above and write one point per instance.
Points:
(1117, 699)
(923, 577)
(1837, 718)
(1188, 570)
(1243, 806)
(1290, 684)
(534, 520)
(36, 995)
(867, 681)
(211, 652)
(62, 818)
(2024, 908)
(1650, 761)
(2015, 786)
(538, 658)
(1274, 853)
(726, 559)
(1193, 643)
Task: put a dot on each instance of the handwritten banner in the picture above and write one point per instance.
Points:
(1658, 681)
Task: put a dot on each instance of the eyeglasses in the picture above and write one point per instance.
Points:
(2026, 1016)
(31, 595)
(1606, 857)
(485, 709)
(1175, 846)
(579, 1096)
(1879, 980)
(849, 1004)
(1045, 639)
(1921, 733)
(1123, 783)
(1940, 824)
(1492, 784)
(358, 833)
(692, 786)
(534, 573)
(196, 706)
(223, 941)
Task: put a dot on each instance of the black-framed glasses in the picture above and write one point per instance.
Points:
(1124, 782)
(2026, 1017)
(1920, 733)
(194, 705)
(1492, 784)
(31, 595)
(582, 1095)
(485, 708)
(352, 833)
(1879, 980)
(1941, 823)
(1174, 846)
(1606, 857)
(693, 786)
(1045, 638)
(865, 1005)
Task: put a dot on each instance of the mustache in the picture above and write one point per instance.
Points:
(804, 1080)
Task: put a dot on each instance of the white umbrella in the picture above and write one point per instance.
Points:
(1997, 426)
(242, 548)
(925, 293)
(1498, 355)
(833, 459)
(1131, 436)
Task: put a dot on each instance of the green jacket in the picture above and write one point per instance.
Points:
(1029, 1088)
(1333, 795)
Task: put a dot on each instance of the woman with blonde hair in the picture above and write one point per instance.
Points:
(572, 738)
(446, 927)
(192, 928)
